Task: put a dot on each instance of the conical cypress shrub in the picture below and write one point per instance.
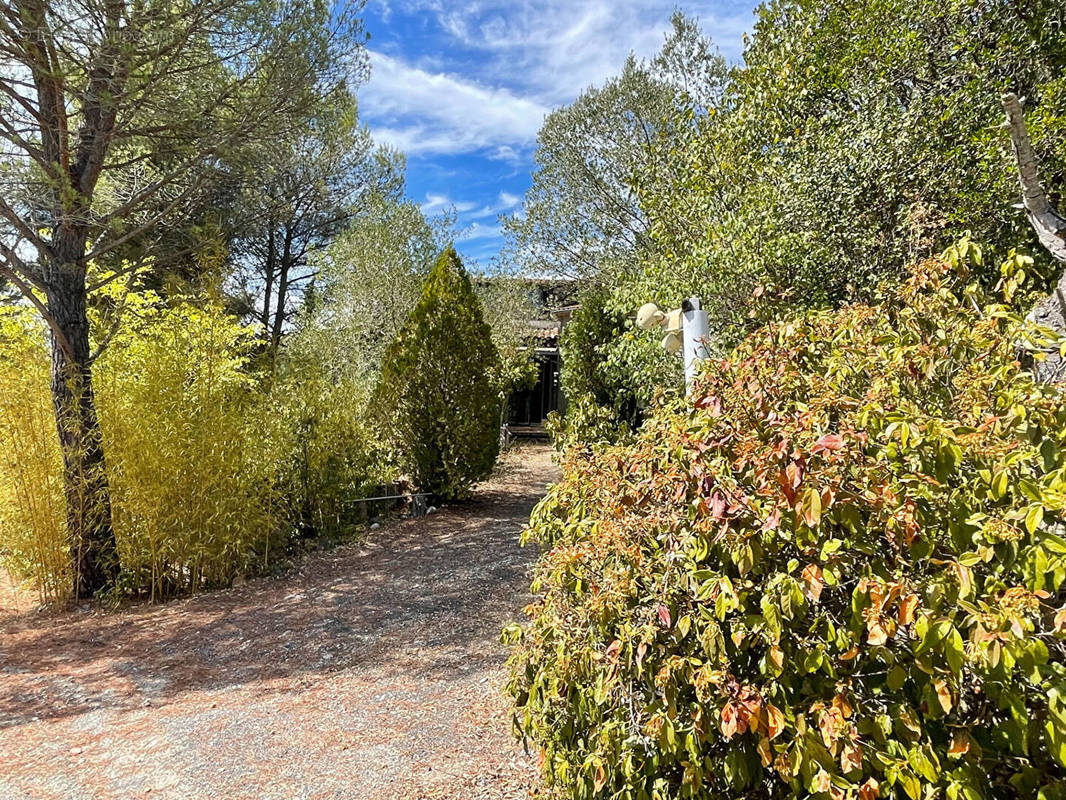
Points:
(437, 405)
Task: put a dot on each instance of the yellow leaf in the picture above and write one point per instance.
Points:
(812, 508)
(943, 694)
(765, 755)
(777, 657)
(907, 607)
(1060, 620)
(841, 704)
(821, 782)
(877, 634)
(775, 721)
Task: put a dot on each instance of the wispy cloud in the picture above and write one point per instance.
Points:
(436, 203)
(553, 49)
(425, 112)
(475, 231)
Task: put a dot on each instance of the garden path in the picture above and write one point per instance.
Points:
(369, 672)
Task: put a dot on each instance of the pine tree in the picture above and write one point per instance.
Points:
(437, 403)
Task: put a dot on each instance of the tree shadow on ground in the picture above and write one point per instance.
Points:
(425, 598)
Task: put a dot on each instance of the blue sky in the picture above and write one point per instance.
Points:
(462, 87)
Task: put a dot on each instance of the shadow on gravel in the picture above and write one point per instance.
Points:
(424, 597)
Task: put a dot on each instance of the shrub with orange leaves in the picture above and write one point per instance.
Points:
(837, 573)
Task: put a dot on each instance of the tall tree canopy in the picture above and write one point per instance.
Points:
(854, 137)
(366, 283)
(299, 193)
(581, 214)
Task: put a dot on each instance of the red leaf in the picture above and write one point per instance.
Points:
(794, 472)
(664, 616)
(729, 721)
(831, 441)
(717, 506)
(711, 402)
(786, 487)
(773, 520)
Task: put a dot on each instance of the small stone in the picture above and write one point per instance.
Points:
(375, 526)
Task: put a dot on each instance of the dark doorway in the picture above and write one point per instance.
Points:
(531, 407)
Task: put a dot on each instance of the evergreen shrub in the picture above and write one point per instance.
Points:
(600, 408)
(437, 404)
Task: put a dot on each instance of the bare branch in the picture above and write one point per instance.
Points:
(25, 230)
(17, 264)
(29, 294)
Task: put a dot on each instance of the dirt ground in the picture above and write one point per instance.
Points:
(369, 672)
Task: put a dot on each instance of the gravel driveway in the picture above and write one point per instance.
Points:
(371, 671)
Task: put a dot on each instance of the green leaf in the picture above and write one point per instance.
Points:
(1034, 518)
(954, 650)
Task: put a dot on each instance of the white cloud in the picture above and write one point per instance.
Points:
(436, 203)
(508, 201)
(553, 49)
(475, 231)
(507, 154)
(516, 61)
(425, 112)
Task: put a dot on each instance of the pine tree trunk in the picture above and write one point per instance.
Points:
(284, 269)
(93, 550)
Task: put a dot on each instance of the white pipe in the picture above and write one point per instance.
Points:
(694, 325)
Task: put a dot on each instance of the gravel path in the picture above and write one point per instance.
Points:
(370, 672)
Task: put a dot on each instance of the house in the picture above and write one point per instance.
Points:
(554, 301)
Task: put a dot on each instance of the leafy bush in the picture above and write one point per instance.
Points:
(334, 458)
(585, 424)
(601, 407)
(852, 137)
(437, 404)
(839, 574)
(33, 543)
(193, 450)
